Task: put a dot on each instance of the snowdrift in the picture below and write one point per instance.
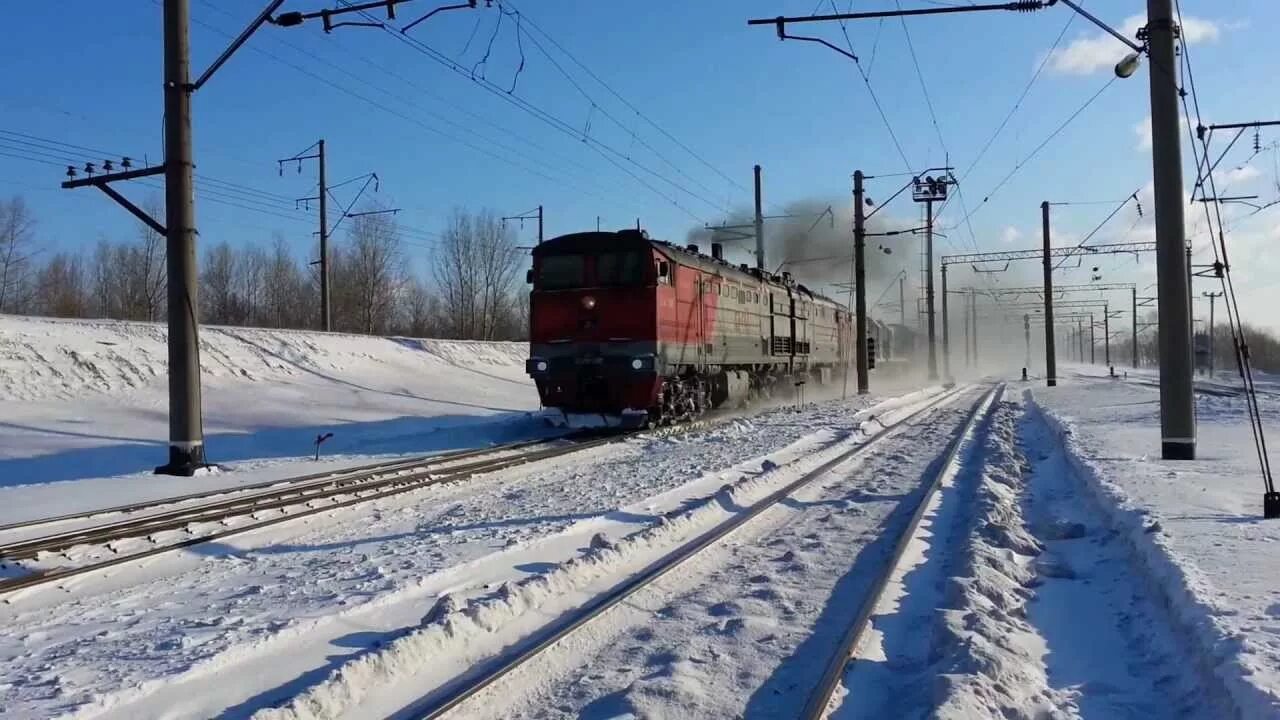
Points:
(88, 398)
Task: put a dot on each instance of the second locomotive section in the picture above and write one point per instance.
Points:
(641, 330)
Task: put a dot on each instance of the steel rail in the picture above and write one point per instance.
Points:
(820, 698)
(286, 494)
(336, 474)
(434, 706)
(450, 475)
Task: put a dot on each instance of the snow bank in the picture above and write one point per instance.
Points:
(1227, 656)
(989, 656)
(48, 358)
(89, 399)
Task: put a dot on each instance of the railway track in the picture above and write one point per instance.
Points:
(459, 692)
(283, 501)
(301, 480)
(820, 698)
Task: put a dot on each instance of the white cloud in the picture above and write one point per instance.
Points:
(1089, 54)
(1242, 175)
(1010, 235)
(1143, 130)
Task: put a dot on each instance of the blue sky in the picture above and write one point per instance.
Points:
(88, 73)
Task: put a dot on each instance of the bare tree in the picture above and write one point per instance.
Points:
(286, 290)
(420, 310)
(107, 287)
(475, 267)
(252, 280)
(17, 229)
(367, 276)
(499, 262)
(455, 269)
(147, 269)
(61, 289)
(221, 302)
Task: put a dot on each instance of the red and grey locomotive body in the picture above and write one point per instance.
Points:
(625, 326)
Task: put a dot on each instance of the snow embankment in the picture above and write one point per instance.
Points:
(89, 398)
(1235, 648)
(48, 358)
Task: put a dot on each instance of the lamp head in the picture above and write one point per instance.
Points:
(1129, 65)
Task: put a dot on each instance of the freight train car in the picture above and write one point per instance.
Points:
(643, 331)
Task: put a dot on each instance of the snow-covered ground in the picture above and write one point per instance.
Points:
(231, 628)
(1194, 528)
(86, 401)
(1018, 601)
(740, 630)
(1066, 571)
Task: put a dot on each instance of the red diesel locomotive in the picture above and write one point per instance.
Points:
(644, 331)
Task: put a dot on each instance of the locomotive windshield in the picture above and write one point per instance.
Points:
(620, 268)
(607, 269)
(562, 272)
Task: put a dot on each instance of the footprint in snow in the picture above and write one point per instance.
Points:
(1054, 567)
(733, 626)
(724, 609)
(766, 594)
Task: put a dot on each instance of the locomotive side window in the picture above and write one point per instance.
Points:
(561, 272)
(620, 268)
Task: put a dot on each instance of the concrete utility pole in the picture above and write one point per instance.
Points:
(1093, 341)
(1106, 334)
(964, 310)
(1080, 337)
(1026, 333)
(973, 313)
(902, 301)
(540, 224)
(1177, 403)
(759, 222)
(326, 323)
(186, 427)
(1134, 329)
(859, 277)
(946, 327)
(928, 293)
(1050, 362)
(1212, 297)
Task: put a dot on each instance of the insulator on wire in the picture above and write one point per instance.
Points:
(71, 171)
(126, 162)
(88, 168)
(107, 166)
(1026, 6)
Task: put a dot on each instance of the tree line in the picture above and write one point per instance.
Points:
(471, 290)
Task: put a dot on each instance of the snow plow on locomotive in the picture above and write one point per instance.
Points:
(638, 331)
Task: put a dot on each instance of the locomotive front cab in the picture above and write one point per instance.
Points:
(593, 327)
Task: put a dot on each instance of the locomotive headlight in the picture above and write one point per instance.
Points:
(636, 364)
(588, 302)
(644, 362)
(541, 366)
